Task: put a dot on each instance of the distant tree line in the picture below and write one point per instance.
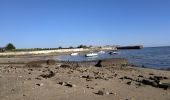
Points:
(11, 47)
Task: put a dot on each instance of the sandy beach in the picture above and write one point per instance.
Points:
(65, 81)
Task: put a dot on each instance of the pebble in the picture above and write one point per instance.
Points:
(100, 92)
(41, 84)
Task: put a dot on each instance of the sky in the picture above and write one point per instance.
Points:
(53, 23)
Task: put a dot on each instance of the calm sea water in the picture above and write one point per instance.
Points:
(155, 57)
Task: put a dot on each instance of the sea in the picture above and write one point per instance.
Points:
(150, 57)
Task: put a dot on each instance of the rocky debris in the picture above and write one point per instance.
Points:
(40, 84)
(100, 92)
(38, 78)
(126, 77)
(23, 95)
(48, 75)
(103, 92)
(110, 62)
(149, 82)
(70, 85)
(62, 83)
(87, 86)
(158, 78)
(65, 66)
(129, 83)
(67, 84)
(164, 85)
(88, 78)
(140, 76)
(12, 90)
(51, 62)
(155, 81)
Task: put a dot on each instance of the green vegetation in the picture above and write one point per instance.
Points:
(10, 47)
(59, 47)
(82, 46)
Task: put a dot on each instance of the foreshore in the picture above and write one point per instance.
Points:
(57, 80)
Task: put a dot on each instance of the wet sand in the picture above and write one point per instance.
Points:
(65, 81)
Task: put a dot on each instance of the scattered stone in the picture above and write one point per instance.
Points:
(62, 83)
(125, 77)
(129, 83)
(140, 76)
(115, 75)
(67, 84)
(164, 85)
(88, 78)
(100, 92)
(49, 75)
(149, 82)
(160, 77)
(107, 93)
(38, 78)
(12, 90)
(65, 66)
(41, 84)
(92, 87)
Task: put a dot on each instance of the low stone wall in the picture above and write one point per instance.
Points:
(110, 62)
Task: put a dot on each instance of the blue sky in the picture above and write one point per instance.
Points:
(53, 23)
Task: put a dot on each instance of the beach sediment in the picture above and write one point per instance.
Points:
(61, 80)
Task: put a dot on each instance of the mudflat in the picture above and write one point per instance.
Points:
(64, 81)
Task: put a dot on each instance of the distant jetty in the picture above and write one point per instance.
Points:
(130, 47)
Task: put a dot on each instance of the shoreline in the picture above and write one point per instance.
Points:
(42, 80)
(26, 59)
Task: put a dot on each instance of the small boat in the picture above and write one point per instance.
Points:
(113, 52)
(101, 52)
(91, 54)
(74, 54)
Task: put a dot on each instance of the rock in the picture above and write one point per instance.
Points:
(160, 77)
(12, 90)
(67, 84)
(70, 85)
(88, 78)
(164, 85)
(140, 76)
(110, 62)
(126, 77)
(62, 83)
(41, 84)
(129, 83)
(92, 87)
(100, 92)
(48, 75)
(65, 66)
(149, 82)
(38, 78)
(107, 93)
